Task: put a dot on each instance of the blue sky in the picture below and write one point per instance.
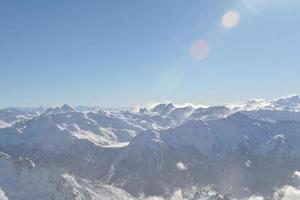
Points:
(123, 53)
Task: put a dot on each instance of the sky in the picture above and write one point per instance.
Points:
(120, 53)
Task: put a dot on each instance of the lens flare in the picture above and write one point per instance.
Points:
(231, 19)
(199, 50)
(250, 5)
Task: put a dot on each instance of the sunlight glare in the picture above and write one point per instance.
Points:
(231, 19)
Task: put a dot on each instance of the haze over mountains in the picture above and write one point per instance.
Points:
(250, 151)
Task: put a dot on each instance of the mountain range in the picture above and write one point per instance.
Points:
(237, 151)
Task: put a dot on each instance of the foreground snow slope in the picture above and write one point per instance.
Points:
(21, 179)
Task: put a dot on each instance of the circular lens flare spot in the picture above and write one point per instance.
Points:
(231, 19)
(199, 50)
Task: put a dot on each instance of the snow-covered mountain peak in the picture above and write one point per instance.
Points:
(293, 97)
(67, 108)
(255, 104)
(289, 102)
(164, 108)
(144, 111)
(210, 113)
(51, 111)
(104, 113)
(63, 109)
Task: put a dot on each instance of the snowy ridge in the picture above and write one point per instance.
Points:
(3, 124)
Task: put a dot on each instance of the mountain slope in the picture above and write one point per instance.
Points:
(197, 152)
(21, 179)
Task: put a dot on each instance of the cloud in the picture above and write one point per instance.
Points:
(181, 166)
(296, 175)
(190, 193)
(152, 104)
(254, 197)
(177, 195)
(289, 192)
(2, 195)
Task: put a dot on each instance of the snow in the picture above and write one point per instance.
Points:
(3, 124)
(164, 109)
(117, 145)
(2, 195)
(20, 180)
(290, 103)
(180, 166)
(297, 174)
(91, 154)
(68, 108)
(248, 163)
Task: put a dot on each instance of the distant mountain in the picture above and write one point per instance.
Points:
(163, 109)
(288, 103)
